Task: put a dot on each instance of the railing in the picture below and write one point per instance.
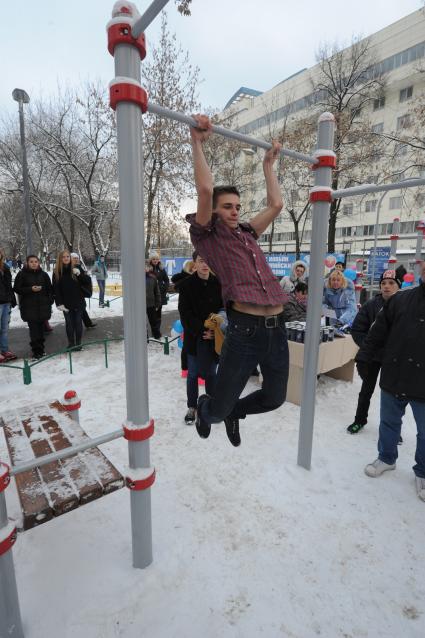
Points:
(27, 365)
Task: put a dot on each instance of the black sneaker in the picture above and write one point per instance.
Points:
(91, 325)
(190, 417)
(202, 427)
(400, 440)
(355, 427)
(232, 430)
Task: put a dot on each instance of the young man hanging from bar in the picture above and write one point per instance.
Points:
(251, 293)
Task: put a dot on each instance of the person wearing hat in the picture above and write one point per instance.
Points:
(389, 284)
(163, 282)
(399, 331)
(88, 323)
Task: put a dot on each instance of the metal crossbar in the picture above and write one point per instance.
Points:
(149, 16)
(377, 188)
(63, 454)
(162, 111)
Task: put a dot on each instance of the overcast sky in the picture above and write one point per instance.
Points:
(234, 42)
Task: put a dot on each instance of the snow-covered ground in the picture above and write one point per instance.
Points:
(245, 542)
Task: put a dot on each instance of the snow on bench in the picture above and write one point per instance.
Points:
(59, 486)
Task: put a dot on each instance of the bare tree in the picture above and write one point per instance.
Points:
(347, 82)
(172, 82)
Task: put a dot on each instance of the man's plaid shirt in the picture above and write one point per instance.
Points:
(237, 260)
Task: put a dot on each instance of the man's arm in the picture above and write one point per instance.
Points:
(274, 197)
(202, 172)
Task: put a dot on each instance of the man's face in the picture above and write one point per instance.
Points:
(202, 267)
(339, 267)
(299, 271)
(228, 207)
(388, 288)
(301, 296)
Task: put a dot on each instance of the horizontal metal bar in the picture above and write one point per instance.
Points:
(149, 16)
(377, 188)
(63, 454)
(225, 132)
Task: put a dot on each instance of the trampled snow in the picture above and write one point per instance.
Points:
(245, 542)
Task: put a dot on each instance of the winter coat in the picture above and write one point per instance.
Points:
(34, 306)
(294, 310)
(153, 297)
(343, 301)
(198, 298)
(289, 282)
(6, 293)
(179, 278)
(400, 329)
(70, 290)
(163, 282)
(363, 321)
(99, 271)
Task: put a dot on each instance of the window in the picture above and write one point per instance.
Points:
(400, 149)
(407, 227)
(406, 94)
(403, 121)
(370, 205)
(395, 203)
(347, 209)
(378, 128)
(379, 103)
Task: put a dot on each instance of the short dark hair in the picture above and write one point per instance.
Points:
(195, 255)
(223, 190)
(32, 257)
(301, 287)
(340, 262)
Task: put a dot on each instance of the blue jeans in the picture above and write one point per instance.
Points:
(203, 364)
(101, 284)
(392, 412)
(249, 342)
(4, 326)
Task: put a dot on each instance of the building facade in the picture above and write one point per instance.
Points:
(398, 53)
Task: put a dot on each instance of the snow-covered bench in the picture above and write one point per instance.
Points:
(59, 486)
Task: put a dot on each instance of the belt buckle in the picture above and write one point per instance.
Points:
(271, 322)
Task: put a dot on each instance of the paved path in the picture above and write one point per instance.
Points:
(56, 340)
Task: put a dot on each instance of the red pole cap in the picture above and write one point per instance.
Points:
(4, 476)
(71, 401)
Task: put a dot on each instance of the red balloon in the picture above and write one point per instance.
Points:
(409, 277)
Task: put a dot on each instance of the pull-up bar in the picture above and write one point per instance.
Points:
(225, 132)
(149, 16)
(377, 188)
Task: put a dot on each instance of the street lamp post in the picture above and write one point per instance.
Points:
(22, 97)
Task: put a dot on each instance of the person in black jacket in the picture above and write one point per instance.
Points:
(153, 301)
(163, 283)
(70, 286)
(75, 260)
(35, 291)
(389, 285)
(199, 296)
(7, 302)
(400, 329)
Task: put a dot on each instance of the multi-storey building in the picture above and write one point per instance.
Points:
(399, 52)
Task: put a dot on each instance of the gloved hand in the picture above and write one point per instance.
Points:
(62, 308)
(362, 369)
(76, 271)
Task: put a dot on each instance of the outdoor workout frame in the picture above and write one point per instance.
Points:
(126, 42)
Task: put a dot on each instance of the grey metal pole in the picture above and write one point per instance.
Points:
(149, 16)
(320, 216)
(375, 242)
(65, 453)
(10, 615)
(26, 183)
(130, 171)
(156, 109)
(378, 188)
(418, 252)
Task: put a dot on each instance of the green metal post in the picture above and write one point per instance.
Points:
(26, 372)
(105, 345)
(70, 361)
(166, 346)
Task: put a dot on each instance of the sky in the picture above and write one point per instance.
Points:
(234, 42)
